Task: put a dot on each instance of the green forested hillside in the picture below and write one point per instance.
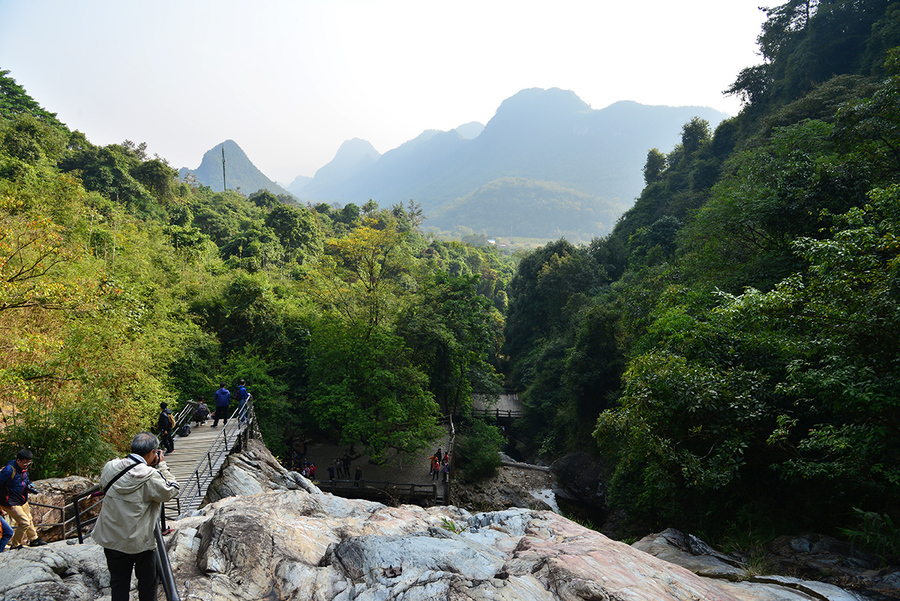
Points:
(731, 345)
(122, 286)
(515, 206)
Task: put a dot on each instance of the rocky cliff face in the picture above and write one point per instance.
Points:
(304, 545)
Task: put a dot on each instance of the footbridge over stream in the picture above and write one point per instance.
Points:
(199, 456)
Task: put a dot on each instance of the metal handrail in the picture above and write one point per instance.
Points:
(497, 413)
(207, 470)
(412, 487)
(74, 504)
(164, 567)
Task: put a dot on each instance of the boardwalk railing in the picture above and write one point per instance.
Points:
(193, 490)
(395, 490)
(74, 525)
(498, 413)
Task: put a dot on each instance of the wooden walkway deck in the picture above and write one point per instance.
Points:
(196, 462)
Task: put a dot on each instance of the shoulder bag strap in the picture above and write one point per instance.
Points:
(120, 474)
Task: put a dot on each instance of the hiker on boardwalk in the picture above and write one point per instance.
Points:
(166, 426)
(435, 464)
(201, 413)
(7, 532)
(222, 399)
(445, 468)
(242, 396)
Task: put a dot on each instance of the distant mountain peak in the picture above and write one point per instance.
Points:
(356, 146)
(537, 109)
(240, 172)
(353, 155)
(544, 100)
(470, 131)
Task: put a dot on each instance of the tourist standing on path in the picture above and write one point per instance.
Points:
(358, 475)
(223, 402)
(166, 426)
(134, 487)
(242, 396)
(14, 488)
(435, 464)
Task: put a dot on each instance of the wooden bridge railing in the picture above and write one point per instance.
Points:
(396, 490)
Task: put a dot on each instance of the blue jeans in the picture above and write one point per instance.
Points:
(7, 534)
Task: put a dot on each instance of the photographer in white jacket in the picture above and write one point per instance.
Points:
(134, 487)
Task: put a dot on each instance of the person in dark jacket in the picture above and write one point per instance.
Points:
(14, 488)
(223, 402)
(242, 396)
(201, 413)
(164, 424)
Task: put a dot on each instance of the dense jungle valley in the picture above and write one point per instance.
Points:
(729, 351)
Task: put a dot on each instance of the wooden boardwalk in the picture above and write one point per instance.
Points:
(197, 460)
(508, 402)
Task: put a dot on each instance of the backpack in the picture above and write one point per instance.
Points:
(171, 421)
(184, 431)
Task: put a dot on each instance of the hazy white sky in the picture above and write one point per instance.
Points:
(290, 80)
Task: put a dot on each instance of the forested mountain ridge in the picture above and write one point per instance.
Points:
(729, 345)
(590, 158)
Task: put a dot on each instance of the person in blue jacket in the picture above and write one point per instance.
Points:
(242, 396)
(223, 402)
(14, 488)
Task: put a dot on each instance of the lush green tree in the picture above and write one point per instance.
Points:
(454, 334)
(108, 170)
(365, 388)
(15, 101)
(545, 282)
(254, 249)
(264, 199)
(694, 133)
(654, 166)
(478, 451)
(297, 230)
(361, 276)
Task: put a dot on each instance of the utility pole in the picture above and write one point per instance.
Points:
(224, 187)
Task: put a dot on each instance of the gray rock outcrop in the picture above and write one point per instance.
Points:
(252, 471)
(580, 478)
(292, 545)
(298, 544)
